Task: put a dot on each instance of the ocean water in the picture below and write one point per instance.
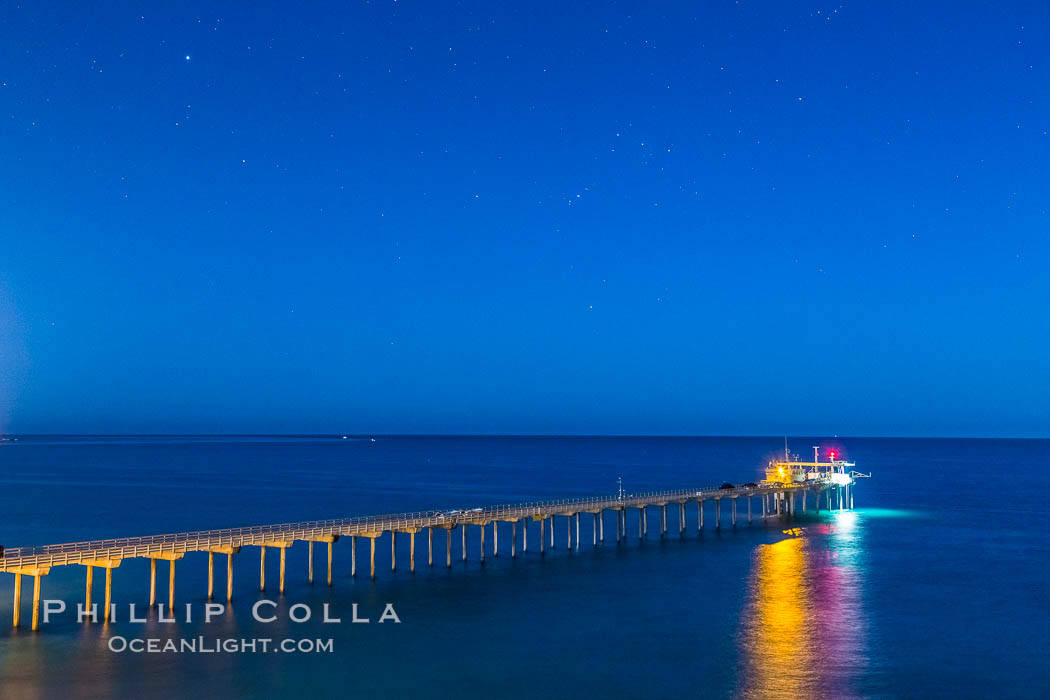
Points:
(935, 585)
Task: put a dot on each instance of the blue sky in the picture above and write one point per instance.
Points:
(702, 218)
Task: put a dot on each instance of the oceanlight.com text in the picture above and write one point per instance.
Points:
(230, 645)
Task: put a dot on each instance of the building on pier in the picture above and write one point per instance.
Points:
(835, 476)
(792, 470)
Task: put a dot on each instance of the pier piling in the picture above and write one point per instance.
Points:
(87, 587)
(229, 576)
(18, 600)
(36, 600)
(108, 594)
(330, 564)
(152, 582)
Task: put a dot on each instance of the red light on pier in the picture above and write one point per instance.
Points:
(832, 453)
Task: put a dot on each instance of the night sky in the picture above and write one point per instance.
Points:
(541, 217)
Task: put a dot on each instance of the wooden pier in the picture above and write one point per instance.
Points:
(776, 500)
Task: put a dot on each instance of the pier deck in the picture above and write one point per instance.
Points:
(37, 561)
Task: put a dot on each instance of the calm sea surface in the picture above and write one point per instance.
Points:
(935, 586)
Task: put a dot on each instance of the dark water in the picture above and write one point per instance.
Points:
(935, 586)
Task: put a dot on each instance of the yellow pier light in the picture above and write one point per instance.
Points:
(282, 545)
(108, 565)
(372, 536)
(323, 539)
(229, 551)
(170, 557)
(18, 599)
(411, 532)
(36, 572)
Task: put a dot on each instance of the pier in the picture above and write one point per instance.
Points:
(779, 500)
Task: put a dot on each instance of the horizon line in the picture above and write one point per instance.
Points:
(531, 435)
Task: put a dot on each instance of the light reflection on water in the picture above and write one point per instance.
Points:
(803, 632)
